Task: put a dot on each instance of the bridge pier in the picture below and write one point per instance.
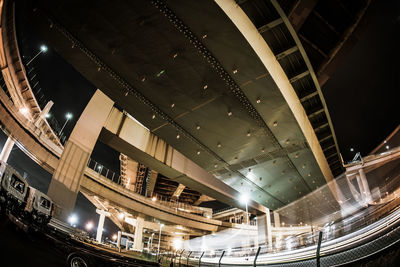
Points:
(137, 244)
(365, 192)
(264, 229)
(65, 184)
(100, 225)
(8, 146)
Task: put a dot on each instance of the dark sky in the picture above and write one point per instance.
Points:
(362, 95)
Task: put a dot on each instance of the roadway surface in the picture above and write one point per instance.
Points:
(23, 246)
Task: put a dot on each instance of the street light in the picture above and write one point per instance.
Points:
(43, 49)
(114, 237)
(159, 238)
(73, 219)
(89, 226)
(245, 199)
(68, 116)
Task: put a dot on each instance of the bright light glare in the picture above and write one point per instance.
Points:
(48, 115)
(43, 48)
(24, 110)
(73, 219)
(244, 199)
(121, 216)
(68, 115)
(114, 237)
(153, 199)
(177, 243)
(89, 226)
(161, 225)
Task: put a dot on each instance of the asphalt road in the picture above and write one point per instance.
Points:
(18, 248)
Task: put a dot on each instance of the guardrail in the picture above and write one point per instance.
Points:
(167, 202)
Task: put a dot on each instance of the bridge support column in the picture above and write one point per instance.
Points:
(119, 240)
(366, 193)
(277, 220)
(152, 183)
(8, 146)
(100, 226)
(264, 229)
(137, 244)
(65, 183)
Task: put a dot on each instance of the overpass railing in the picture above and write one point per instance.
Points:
(167, 202)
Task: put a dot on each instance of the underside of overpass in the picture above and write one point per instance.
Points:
(206, 91)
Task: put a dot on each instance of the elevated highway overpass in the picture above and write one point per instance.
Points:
(277, 142)
(237, 113)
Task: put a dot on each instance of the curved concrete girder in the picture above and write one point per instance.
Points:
(267, 57)
(16, 80)
(309, 67)
(28, 143)
(126, 199)
(129, 137)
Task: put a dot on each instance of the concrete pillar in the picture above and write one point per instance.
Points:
(137, 244)
(100, 227)
(360, 185)
(119, 240)
(8, 146)
(65, 183)
(277, 220)
(366, 192)
(264, 229)
(152, 182)
(43, 113)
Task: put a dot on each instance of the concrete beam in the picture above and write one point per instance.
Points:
(264, 52)
(178, 191)
(129, 137)
(134, 202)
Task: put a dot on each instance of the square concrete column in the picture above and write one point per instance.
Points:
(5, 152)
(138, 242)
(264, 229)
(100, 227)
(277, 220)
(366, 193)
(65, 184)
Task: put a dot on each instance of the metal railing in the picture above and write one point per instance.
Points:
(167, 202)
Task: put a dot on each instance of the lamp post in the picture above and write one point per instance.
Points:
(159, 239)
(245, 200)
(68, 116)
(43, 49)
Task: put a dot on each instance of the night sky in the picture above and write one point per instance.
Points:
(362, 95)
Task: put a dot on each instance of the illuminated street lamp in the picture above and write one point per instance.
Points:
(114, 237)
(245, 199)
(121, 216)
(43, 49)
(159, 238)
(89, 226)
(73, 219)
(68, 116)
